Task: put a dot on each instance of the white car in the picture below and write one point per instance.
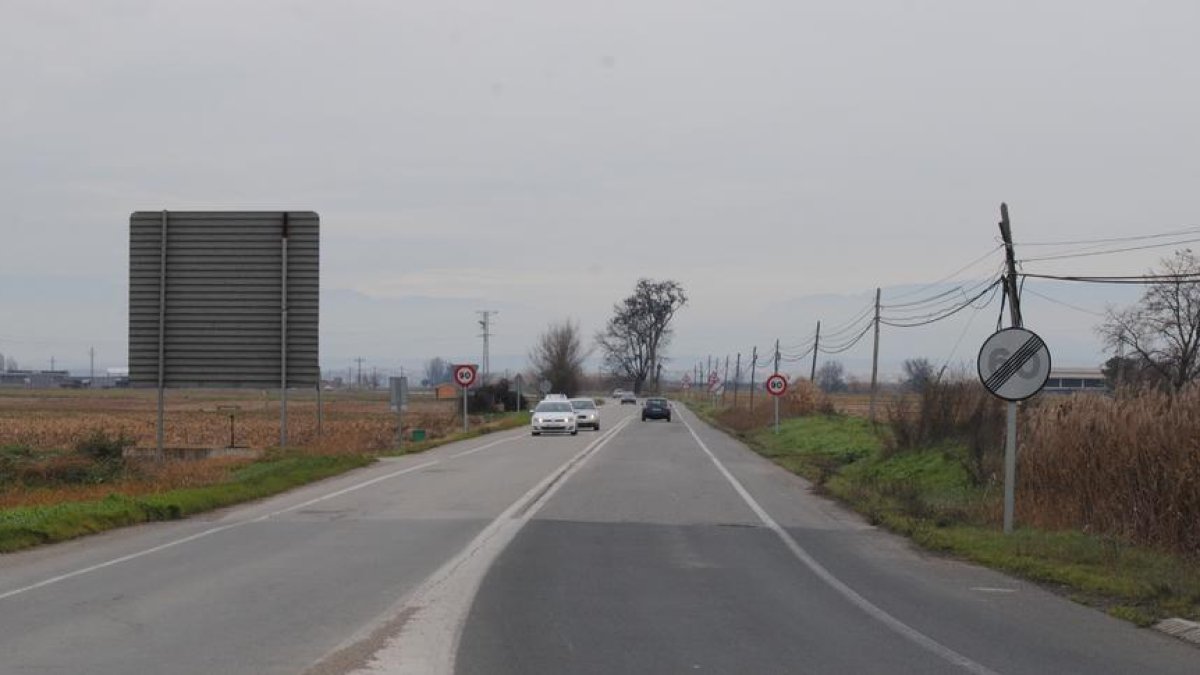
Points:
(554, 416)
(586, 413)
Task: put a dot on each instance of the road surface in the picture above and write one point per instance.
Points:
(645, 548)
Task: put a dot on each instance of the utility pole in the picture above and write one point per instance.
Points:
(737, 378)
(485, 324)
(359, 361)
(753, 370)
(875, 360)
(776, 397)
(725, 380)
(51, 364)
(812, 376)
(91, 365)
(1014, 308)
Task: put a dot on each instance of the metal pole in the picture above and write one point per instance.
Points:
(875, 360)
(464, 391)
(320, 407)
(283, 335)
(776, 415)
(162, 335)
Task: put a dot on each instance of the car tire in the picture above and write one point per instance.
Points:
(575, 432)
(668, 419)
(537, 433)
(597, 427)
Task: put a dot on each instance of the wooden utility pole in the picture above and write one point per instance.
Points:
(737, 378)
(725, 379)
(875, 361)
(812, 376)
(753, 370)
(1010, 440)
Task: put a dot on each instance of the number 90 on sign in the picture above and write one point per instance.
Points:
(776, 385)
(464, 375)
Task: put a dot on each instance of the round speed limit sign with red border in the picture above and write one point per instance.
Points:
(464, 375)
(776, 385)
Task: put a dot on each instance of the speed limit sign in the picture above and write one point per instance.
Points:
(464, 374)
(776, 385)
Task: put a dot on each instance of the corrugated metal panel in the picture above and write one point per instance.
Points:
(223, 320)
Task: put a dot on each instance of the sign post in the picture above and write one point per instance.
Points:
(464, 375)
(1013, 364)
(518, 380)
(399, 389)
(777, 386)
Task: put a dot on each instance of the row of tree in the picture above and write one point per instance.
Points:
(633, 342)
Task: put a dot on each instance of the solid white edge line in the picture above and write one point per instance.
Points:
(833, 582)
(200, 535)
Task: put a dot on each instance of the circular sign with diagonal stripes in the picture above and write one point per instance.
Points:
(1014, 364)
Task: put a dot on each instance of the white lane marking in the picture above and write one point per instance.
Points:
(836, 584)
(428, 641)
(986, 589)
(485, 447)
(211, 531)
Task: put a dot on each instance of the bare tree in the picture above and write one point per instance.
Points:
(558, 357)
(437, 371)
(918, 373)
(640, 329)
(1162, 332)
(831, 377)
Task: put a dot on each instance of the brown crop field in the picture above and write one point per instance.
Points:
(352, 421)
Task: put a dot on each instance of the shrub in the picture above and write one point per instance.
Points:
(99, 446)
(955, 412)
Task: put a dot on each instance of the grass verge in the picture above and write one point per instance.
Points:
(928, 496)
(28, 526)
(25, 527)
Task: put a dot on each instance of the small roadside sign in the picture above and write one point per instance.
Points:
(776, 385)
(1014, 364)
(464, 374)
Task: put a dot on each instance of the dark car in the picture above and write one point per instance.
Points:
(656, 409)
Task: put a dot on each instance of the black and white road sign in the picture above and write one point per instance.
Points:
(776, 385)
(464, 374)
(1014, 364)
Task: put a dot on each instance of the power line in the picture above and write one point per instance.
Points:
(1143, 279)
(1088, 254)
(910, 323)
(950, 276)
(1064, 304)
(1113, 240)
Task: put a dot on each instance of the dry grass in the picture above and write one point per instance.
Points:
(356, 422)
(1127, 467)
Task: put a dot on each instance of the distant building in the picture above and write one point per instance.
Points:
(1075, 380)
(34, 379)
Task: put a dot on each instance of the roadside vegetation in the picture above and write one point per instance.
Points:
(1108, 494)
(56, 485)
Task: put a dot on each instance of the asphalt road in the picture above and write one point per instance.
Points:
(646, 548)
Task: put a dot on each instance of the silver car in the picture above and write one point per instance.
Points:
(554, 416)
(586, 413)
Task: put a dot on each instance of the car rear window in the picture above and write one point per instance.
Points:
(583, 404)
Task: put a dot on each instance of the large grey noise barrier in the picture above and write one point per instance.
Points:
(224, 299)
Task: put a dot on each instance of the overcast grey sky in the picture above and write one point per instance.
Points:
(538, 156)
